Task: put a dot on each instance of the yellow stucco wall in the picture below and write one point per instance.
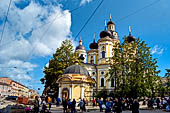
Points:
(76, 92)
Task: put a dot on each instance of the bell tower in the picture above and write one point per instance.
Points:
(81, 50)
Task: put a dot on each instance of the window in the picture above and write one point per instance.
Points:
(91, 60)
(103, 54)
(102, 72)
(112, 82)
(102, 82)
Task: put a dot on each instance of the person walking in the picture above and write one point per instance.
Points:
(118, 106)
(36, 104)
(84, 105)
(158, 103)
(81, 104)
(58, 101)
(73, 110)
(135, 106)
(100, 102)
(64, 105)
(94, 102)
(108, 106)
(69, 106)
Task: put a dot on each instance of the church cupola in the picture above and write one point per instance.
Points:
(105, 33)
(81, 50)
(93, 45)
(80, 46)
(130, 38)
(110, 25)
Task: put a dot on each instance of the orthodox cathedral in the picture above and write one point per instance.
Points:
(82, 81)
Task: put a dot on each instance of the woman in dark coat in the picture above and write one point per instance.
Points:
(135, 107)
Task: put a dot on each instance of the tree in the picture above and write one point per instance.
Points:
(134, 69)
(167, 76)
(64, 57)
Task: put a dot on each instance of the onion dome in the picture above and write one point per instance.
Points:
(110, 22)
(93, 45)
(76, 69)
(130, 38)
(80, 46)
(105, 33)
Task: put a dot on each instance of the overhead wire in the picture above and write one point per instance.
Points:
(89, 19)
(138, 10)
(132, 13)
(5, 21)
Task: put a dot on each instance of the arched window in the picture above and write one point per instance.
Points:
(112, 82)
(103, 54)
(102, 82)
(91, 60)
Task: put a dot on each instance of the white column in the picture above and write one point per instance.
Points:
(70, 95)
(82, 92)
(59, 94)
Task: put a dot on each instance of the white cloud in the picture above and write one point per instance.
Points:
(83, 2)
(26, 35)
(157, 50)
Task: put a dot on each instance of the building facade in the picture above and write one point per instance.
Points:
(98, 56)
(5, 89)
(16, 88)
(74, 84)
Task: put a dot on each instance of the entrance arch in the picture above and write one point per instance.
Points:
(65, 93)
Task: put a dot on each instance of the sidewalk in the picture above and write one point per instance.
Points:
(88, 108)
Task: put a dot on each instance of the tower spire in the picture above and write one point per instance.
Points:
(94, 37)
(80, 42)
(110, 16)
(129, 30)
(105, 25)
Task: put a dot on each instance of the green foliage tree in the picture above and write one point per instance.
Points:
(167, 76)
(133, 69)
(64, 57)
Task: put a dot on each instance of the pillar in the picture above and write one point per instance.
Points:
(70, 95)
(82, 92)
(59, 94)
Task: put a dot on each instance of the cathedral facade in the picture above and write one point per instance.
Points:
(99, 54)
(85, 80)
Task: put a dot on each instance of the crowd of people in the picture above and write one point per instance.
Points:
(117, 105)
(108, 105)
(159, 103)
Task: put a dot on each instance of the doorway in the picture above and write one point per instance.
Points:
(65, 93)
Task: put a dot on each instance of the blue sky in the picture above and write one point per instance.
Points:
(35, 28)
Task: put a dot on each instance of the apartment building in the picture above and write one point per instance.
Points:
(5, 89)
(16, 88)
